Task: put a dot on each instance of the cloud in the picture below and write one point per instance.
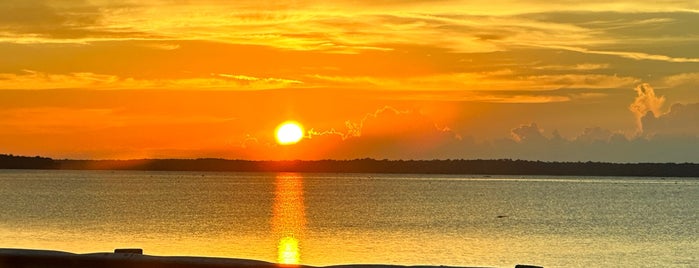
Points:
(354, 129)
(475, 86)
(31, 21)
(352, 27)
(663, 137)
(646, 102)
(29, 13)
(629, 54)
(594, 144)
(682, 79)
(595, 134)
(263, 82)
(528, 133)
(576, 67)
(519, 98)
(680, 120)
(585, 80)
(33, 80)
(529, 141)
(30, 79)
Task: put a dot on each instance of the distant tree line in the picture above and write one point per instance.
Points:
(25, 162)
(367, 165)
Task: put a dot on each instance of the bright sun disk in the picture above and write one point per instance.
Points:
(289, 132)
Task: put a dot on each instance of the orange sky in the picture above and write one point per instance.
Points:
(415, 79)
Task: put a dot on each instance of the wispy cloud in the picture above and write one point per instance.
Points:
(682, 79)
(264, 81)
(576, 67)
(501, 80)
(31, 80)
(338, 26)
(629, 54)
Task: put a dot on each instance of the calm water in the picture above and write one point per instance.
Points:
(323, 219)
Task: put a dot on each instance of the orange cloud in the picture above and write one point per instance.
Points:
(33, 80)
(646, 102)
(354, 129)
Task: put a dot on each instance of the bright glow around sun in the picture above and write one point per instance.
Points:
(289, 132)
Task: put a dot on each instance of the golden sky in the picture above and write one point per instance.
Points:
(417, 79)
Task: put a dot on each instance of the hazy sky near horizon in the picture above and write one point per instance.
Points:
(541, 80)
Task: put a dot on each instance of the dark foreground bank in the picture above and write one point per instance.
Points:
(26, 258)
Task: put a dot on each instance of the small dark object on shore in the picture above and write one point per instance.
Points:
(527, 266)
(129, 250)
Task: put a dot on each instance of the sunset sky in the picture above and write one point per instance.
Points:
(541, 80)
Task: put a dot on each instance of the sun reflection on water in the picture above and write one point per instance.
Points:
(289, 250)
(289, 217)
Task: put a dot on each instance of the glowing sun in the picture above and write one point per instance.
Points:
(289, 132)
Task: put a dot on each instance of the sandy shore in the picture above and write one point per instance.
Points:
(28, 258)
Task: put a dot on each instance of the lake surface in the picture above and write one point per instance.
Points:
(323, 219)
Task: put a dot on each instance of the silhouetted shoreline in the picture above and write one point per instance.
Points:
(58, 259)
(475, 167)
